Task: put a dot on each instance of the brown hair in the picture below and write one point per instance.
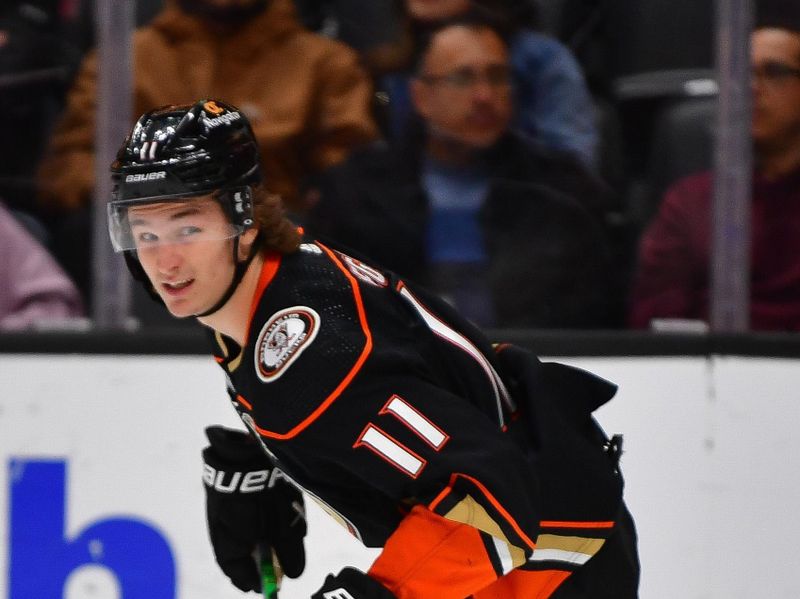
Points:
(278, 233)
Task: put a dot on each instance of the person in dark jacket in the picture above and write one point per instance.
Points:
(506, 230)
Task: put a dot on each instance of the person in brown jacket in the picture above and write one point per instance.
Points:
(306, 96)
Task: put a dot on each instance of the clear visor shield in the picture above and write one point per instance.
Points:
(140, 225)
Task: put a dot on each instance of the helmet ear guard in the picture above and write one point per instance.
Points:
(238, 205)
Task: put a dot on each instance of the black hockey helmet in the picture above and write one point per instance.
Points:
(177, 152)
(181, 151)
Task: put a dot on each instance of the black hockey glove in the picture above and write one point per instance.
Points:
(249, 505)
(352, 584)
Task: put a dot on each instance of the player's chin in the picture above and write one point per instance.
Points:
(183, 314)
(179, 308)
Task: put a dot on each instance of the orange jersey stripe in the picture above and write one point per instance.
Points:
(353, 371)
(517, 528)
(268, 270)
(244, 402)
(438, 499)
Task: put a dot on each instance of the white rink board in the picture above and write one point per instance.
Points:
(711, 465)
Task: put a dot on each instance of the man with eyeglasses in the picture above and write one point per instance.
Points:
(506, 230)
(553, 104)
(673, 278)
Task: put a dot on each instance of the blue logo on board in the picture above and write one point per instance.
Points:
(41, 557)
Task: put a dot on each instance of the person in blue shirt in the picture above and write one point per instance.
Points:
(508, 231)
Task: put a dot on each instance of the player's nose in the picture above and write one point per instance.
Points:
(168, 258)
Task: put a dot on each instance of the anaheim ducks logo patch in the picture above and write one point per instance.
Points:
(282, 339)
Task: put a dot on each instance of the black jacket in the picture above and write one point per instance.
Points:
(548, 256)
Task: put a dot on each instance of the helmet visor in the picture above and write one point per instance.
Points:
(141, 225)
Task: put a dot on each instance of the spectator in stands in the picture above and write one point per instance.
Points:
(362, 25)
(673, 272)
(306, 96)
(33, 288)
(552, 103)
(478, 213)
(35, 65)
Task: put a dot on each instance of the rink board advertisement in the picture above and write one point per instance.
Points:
(101, 494)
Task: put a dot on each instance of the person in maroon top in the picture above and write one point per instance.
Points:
(672, 279)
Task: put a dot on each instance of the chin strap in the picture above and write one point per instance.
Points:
(238, 274)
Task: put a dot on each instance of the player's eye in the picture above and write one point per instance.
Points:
(145, 237)
(189, 230)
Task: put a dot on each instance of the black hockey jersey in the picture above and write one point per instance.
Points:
(410, 429)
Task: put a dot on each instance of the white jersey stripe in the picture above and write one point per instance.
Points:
(559, 555)
(457, 339)
(506, 562)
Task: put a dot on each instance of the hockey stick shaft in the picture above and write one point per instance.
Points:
(269, 577)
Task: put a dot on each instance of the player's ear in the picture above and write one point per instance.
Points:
(246, 241)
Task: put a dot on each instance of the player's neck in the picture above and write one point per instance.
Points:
(232, 319)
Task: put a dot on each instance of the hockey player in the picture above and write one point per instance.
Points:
(478, 469)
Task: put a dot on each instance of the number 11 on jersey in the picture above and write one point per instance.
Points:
(392, 450)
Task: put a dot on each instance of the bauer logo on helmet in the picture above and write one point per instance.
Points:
(142, 177)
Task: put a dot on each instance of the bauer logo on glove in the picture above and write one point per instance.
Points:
(251, 509)
(251, 482)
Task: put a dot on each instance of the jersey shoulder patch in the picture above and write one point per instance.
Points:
(284, 336)
(309, 338)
